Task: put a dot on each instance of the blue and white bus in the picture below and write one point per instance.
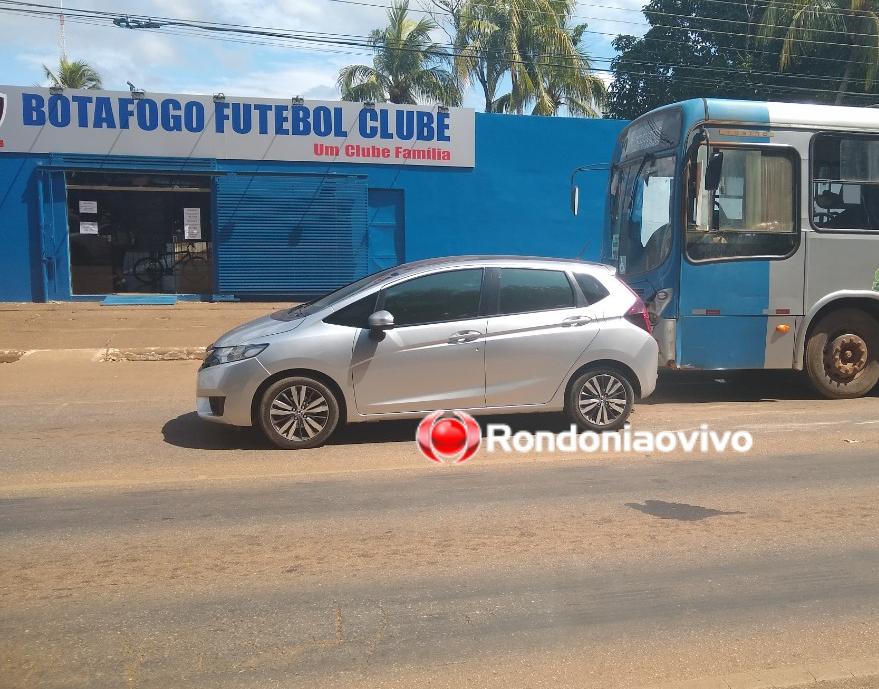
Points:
(751, 230)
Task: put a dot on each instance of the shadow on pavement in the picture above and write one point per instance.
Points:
(189, 431)
(677, 510)
(732, 386)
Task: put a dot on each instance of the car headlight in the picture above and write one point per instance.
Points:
(226, 355)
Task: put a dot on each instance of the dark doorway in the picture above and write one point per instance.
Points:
(132, 232)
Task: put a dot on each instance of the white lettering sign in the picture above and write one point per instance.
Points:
(114, 123)
(192, 223)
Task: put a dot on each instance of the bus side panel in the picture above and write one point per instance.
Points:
(722, 342)
(840, 262)
(734, 288)
(722, 322)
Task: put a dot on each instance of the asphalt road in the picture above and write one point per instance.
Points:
(140, 547)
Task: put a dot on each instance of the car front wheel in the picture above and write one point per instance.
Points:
(298, 412)
(600, 399)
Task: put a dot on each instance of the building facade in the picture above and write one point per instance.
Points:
(222, 198)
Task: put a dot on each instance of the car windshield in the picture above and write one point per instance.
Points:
(326, 300)
(640, 220)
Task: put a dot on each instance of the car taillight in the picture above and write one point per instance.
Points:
(639, 316)
(638, 313)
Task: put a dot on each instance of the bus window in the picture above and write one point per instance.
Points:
(845, 182)
(752, 212)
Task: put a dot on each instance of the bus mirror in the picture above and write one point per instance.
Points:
(712, 174)
(575, 199)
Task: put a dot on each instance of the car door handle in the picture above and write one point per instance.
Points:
(464, 336)
(576, 320)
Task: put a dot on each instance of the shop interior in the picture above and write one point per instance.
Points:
(139, 233)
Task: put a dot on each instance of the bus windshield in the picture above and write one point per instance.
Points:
(641, 189)
(641, 194)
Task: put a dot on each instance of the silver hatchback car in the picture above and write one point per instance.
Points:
(482, 334)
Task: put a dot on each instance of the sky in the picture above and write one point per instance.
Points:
(176, 63)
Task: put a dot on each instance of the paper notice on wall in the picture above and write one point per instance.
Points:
(88, 206)
(192, 223)
(88, 228)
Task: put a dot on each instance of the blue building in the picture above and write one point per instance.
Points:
(262, 199)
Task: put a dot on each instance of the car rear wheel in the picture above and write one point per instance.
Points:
(842, 354)
(600, 399)
(298, 413)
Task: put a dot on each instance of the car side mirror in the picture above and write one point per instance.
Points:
(381, 320)
(575, 200)
(713, 172)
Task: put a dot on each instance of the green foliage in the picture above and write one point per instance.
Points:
(809, 27)
(407, 66)
(73, 74)
(533, 42)
(753, 50)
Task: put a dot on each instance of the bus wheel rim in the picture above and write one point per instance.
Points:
(847, 356)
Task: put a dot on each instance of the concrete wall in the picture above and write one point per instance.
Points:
(515, 201)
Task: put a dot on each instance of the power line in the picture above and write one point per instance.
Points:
(222, 26)
(189, 29)
(339, 39)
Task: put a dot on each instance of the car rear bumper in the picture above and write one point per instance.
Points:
(225, 392)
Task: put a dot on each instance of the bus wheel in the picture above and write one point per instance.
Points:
(842, 354)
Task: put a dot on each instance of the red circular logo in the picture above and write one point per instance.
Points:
(448, 436)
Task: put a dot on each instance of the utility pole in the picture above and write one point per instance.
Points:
(62, 43)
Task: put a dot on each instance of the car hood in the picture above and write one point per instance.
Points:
(250, 332)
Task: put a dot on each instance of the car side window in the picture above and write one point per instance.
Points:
(436, 298)
(523, 290)
(591, 287)
(356, 314)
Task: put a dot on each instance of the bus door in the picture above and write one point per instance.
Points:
(741, 281)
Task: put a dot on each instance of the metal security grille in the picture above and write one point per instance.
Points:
(131, 163)
(289, 234)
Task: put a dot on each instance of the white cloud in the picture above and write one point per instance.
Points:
(312, 79)
(174, 62)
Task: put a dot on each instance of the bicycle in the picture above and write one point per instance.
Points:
(149, 270)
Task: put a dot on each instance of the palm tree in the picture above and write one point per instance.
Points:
(807, 24)
(570, 83)
(479, 47)
(407, 66)
(530, 40)
(75, 74)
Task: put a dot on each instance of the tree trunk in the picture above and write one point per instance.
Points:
(846, 77)
(486, 91)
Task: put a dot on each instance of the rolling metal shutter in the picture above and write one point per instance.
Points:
(131, 163)
(289, 234)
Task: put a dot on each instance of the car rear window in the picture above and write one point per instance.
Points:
(591, 287)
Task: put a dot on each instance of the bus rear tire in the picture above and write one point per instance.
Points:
(842, 354)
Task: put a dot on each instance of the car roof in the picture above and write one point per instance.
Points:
(492, 261)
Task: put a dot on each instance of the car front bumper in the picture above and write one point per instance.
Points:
(233, 387)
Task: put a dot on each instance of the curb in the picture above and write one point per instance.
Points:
(10, 356)
(153, 354)
(781, 678)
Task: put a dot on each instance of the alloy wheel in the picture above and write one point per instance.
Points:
(602, 399)
(299, 412)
